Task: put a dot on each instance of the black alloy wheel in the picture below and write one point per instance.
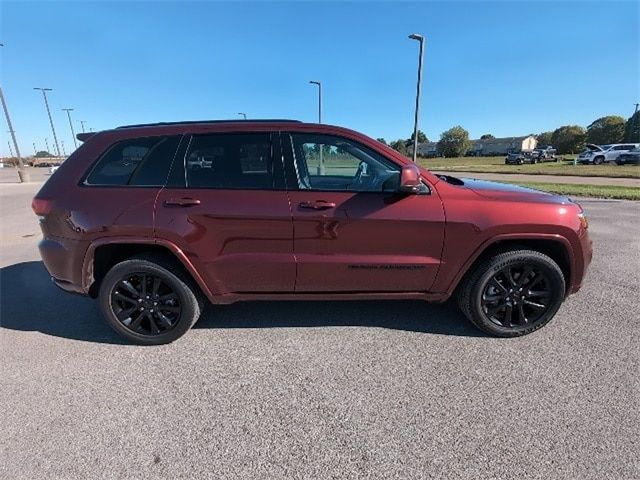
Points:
(150, 299)
(517, 296)
(512, 293)
(145, 304)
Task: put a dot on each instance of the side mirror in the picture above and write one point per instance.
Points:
(410, 179)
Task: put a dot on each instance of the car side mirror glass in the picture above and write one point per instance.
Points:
(410, 179)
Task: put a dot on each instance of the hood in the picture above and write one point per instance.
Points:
(506, 191)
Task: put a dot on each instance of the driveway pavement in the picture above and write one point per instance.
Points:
(321, 390)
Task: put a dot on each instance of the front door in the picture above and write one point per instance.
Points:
(353, 231)
(226, 207)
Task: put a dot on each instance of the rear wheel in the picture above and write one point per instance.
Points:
(513, 293)
(148, 301)
(598, 160)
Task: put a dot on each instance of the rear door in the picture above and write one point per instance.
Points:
(353, 231)
(226, 207)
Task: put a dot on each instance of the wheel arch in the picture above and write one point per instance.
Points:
(556, 247)
(103, 253)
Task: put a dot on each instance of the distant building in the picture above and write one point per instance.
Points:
(428, 149)
(487, 147)
(502, 146)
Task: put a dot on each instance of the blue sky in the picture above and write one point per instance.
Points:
(506, 68)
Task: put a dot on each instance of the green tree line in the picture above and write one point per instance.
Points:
(566, 139)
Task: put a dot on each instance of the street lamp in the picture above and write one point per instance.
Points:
(23, 175)
(419, 38)
(73, 134)
(46, 104)
(82, 122)
(243, 114)
(319, 84)
(46, 142)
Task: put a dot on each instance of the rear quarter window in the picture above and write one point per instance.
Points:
(135, 162)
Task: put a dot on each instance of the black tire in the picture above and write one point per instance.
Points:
(186, 301)
(598, 160)
(473, 297)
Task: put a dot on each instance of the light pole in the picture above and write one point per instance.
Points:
(35, 149)
(22, 173)
(319, 84)
(243, 114)
(82, 122)
(73, 134)
(419, 38)
(46, 104)
(46, 142)
(64, 154)
(10, 149)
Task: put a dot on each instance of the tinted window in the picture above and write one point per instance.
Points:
(230, 161)
(325, 162)
(139, 161)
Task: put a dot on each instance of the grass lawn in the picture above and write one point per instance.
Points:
(496, 165)
(596, 191)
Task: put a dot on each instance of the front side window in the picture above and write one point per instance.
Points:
(230, 161)
(138, 162)
(330, 163)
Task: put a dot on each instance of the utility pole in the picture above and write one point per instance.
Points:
(46, 142)
(46, 104)
(419, 38)
(35, 150)
(64, 154)
(10, 149)
(73, 134)
(82, 122)
(23, 175)
(319, 84)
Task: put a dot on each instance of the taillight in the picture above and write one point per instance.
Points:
(41, 206)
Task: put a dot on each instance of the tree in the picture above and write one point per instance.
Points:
(545, 138)
(609, 129)
(381, 140)
(43, 154)
(454, 142)
(632, 128)
(400, 146)
(568, 139)
(422, 138)
(487, 136)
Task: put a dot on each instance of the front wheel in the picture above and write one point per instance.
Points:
(513, 293)
(598, 160)
(149, 301)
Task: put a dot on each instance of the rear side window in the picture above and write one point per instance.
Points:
(136, 162)
(230, 161)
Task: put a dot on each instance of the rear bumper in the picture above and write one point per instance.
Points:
(63, 258)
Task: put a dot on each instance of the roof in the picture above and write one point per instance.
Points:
(191, 122)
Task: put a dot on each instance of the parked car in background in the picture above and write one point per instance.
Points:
(519, 158)
(597, 155)
(138, 220)
(632, 157)
(545, 154)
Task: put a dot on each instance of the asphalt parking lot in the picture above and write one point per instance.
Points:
(324, 389)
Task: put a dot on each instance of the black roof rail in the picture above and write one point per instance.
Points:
(191, 122)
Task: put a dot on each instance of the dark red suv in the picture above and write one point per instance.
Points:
(153, 220)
